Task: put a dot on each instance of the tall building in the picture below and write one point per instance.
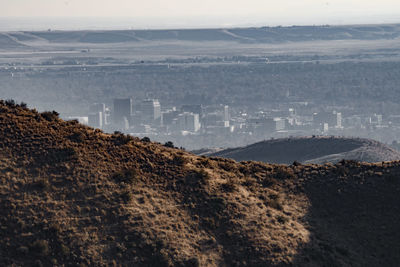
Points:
(375, 119)
(280, 124)
(338, 119)
(168, 117)
(266, 125)
(334, 119)
(196, 109)
(95, 119)
(226, 113)
(122, 110)
(97, 115)
(188, 121)
(151, 110)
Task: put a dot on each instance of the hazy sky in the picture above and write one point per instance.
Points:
(216, 12)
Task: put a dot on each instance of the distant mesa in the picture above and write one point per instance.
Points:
(242, 35)
(319, 150)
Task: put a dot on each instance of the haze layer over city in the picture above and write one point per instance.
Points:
(199, 133)
(224, 85)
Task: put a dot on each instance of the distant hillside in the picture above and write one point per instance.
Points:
(247, 35)
(9, 42)
(71, 195)
(318, 150)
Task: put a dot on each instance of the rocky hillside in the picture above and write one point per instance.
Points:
(319, 150)
(71, 195)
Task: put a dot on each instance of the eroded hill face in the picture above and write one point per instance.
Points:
(320, 150)
(73, 195)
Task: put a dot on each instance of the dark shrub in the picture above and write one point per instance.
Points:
(204, 161)
(296, 163)
(227, 166)
(128, 176)
(192, 262)
(202, 175)
(282, 219)
(126, 196)
(197, 177)
(268, 182)
(283, 173)
(40, 247)
(42, 184)
(230, 186)
(179, 160)
(274, 202)
(169, 144)
(64, 250)
(77, 137)
(145, 139)
(66, 153)
(73, 122)
(122, 139)
(10, 102)
(249, 182)
(50, 115)
(217, 204)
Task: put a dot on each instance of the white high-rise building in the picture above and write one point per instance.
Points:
(122, 110)
(226, 113)
(339, 120)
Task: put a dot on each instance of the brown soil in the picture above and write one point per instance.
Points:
(71, 195)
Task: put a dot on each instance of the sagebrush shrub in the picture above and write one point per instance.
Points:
(50, 115)
(128, 176)
(179, 160)
(40, 247)
(126, 196)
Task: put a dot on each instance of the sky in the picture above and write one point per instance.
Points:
(197, 13)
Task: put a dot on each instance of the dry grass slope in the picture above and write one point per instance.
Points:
(72, 195)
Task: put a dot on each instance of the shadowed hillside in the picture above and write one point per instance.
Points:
(321, 149)
(73, 195)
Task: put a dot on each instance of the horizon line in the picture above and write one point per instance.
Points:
(122, 23)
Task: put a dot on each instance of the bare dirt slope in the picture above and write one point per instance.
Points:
(320, 149)
(71, 195)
